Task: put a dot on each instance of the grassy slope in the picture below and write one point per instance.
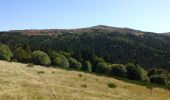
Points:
(18, 82)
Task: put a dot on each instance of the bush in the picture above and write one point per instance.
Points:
(87, 66)
(40, 57)
(22, 55)
(156, 71)
(5, 52)
(95, 61)
(135, 72)
(61, 60)
(159, 79)
(119, 70)
(75, 64)
(30, 65)
(103, 68)
(144, 76)
(111, 85)
(40, 72)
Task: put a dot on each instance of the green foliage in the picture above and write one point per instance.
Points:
(22, 55)
(87, 66)
(77, 55)
(119, 70)
(30, 65)
(61, 60)
(40, 57)
(159, 79)
(5, 52)
(135, 72)
(111, 85)
(103, 68)
(75, 64)
(58, 59)
(144, 76)
(95, 61)
(66, 54)
(115, 47)
(156, 71)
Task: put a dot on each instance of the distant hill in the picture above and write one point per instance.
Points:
(19, 82)
(80, 30)
(115, 45)
(167, 34)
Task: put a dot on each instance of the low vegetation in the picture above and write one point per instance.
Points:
(111, 85)
(41, 58)
(30, 65)
(5, 52)
(19, 82)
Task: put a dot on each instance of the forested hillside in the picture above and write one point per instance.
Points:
(115, 45)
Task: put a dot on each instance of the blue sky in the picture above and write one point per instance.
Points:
(146, 15)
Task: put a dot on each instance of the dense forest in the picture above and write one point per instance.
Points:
(108, 50)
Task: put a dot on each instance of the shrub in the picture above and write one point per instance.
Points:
(40, 57)
(119, 70)
(75, 64)
(40, 72)
(5, 52)
(103, 68)
(61, 60)
(159, 79)
(135, 72)
(144, 76)
(156, 71)
(22, 55)
(80, 75)
(30, 65)
(111, 85)
(95, 61)
(87, 66)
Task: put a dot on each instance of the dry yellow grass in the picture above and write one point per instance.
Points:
(18, 82)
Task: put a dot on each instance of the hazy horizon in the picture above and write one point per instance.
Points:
(151, 16)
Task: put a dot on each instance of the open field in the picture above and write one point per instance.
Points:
(19, 82)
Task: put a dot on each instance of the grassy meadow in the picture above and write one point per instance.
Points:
(19, 82)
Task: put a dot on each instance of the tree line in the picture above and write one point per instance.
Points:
(90, 63)
(149, 50)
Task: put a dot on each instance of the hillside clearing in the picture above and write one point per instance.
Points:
(18, 82)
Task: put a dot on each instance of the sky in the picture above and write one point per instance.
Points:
(145, 15)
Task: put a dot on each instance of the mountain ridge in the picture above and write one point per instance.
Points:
(103, 28)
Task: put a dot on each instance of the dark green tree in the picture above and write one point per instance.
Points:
(22, 55)
(103, 68)
(119, 70)
(156, 71)
(135, 72)
(95, 61)
(159, 79)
